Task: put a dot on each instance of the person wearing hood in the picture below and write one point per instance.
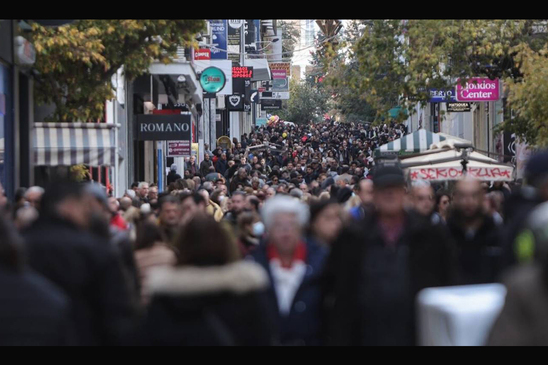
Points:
(173, 175)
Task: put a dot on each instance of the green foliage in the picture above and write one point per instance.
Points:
(79, 173)
(307, 103)
(529, 97)
(290, 37)
(76, 62)
(394, 62)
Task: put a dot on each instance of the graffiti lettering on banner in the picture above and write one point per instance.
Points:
(452, 173)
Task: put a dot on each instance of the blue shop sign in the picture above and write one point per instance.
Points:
(442, 95)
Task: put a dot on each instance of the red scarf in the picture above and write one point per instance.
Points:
(298, 255)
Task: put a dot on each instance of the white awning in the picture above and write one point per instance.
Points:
(436, 167)
(67, 144)
(261, 70)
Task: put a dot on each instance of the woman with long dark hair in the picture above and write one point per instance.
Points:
(150, 252)
(211, 297)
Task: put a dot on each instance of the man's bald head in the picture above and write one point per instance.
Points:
(125, 203)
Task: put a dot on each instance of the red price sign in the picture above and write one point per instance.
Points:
(242, 72)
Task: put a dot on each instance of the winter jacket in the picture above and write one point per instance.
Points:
(33, 312)
(209, 306)
(480, 254)
(192, 168)
(204, 167)
(172, 177)
(146, 259)
(221, 166)
(90, 272)
(369, 288)
(302, 325)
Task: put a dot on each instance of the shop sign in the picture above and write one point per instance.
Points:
(212, 80)
(459, 107)
(479, 89)
(178, 149)
(152, 127)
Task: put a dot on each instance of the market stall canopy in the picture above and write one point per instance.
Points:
(418, 141)
(396, 111)
(446, 165)
(67, 144)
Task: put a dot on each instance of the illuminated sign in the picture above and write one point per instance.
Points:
(242, 72)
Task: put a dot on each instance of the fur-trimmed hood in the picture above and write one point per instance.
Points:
(237, 278)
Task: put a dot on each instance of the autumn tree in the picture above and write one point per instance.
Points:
(397, 61)
(307, 103)
(528, 97)
(75, 63)
(290, 37)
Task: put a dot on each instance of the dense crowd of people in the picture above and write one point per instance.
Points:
(296, 235)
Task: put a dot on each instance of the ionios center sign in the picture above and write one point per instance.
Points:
(479, 89)
(213, 80)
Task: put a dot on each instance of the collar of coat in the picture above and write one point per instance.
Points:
(236, 278)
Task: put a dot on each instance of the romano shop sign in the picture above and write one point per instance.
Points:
(163, 127)
(479, 89)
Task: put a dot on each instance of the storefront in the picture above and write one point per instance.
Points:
(6, 106)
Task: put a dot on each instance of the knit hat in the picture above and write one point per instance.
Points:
(537, 168)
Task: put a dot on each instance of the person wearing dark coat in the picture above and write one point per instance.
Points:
(33, 311)
(211, 298)
(222, 164)
(191, 166)
(519, 206)
(477, 236)
(173, 175)
(205, 165)
(89, 270)
(240, 179)
(376, 268)
(294, 267)
(523, 320)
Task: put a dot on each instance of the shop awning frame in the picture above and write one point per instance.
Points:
(68, 144)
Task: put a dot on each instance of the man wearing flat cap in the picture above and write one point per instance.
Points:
(377, 267)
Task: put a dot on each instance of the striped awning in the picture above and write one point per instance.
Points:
(418, 141)
(67, 144)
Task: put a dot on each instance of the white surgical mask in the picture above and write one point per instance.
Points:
(258, 229)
